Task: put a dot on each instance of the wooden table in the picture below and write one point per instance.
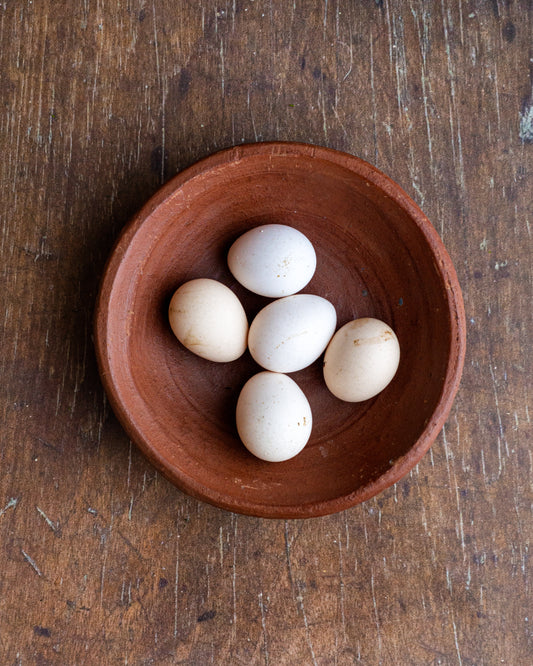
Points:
(102, 561)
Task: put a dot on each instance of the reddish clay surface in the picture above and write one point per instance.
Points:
(378, 256)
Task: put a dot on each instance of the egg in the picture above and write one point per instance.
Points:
(209, 320)
(290, 333)
(361, 359)
(272, 260)
(274, 419)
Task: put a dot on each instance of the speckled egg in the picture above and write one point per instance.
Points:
(209, 320)
(361, 359)
(274, 419)
(290, 333)
(272, 260)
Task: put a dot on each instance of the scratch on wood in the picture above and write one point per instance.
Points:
(497, 94)
(47, 444)
(341, 587)
(207, 581)
(324, 117)
(457, 644)
(400, 65)
(263, 625)
(423, 39)
(483, 468)
(41, 81)
(525, 131)
(102, 578)
(234, 574)
(376, 614)
(350, 47)
(162, 92)
(129, 465)
(389, 34)
(176, 581)
(449, 456)
(501, 437)
(133, 548)
(143, 489)
(53, 526)
(220, 547)
(453, 106)
(156, 46)
(252, 116)
(449, 581)
(288, 554)
(103, 540)
(459, 527)
(10, 505)
(423, 519)
(468, 577)
(374, 105)
(31, 562)
(222, 67)
(301, 606)
(299, 596)
(347, 532)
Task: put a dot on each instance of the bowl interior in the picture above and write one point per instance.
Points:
(373, 259)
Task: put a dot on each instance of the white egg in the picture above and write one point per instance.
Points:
(361, 359)
(289, 334)
(272, 260)
(274, 418)
(208, 319)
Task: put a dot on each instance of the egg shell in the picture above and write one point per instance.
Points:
(273, 417)
(209, 320)
(361, 359)
(290, 333)
(272, 260)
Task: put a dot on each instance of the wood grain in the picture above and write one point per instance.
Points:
(104, 562)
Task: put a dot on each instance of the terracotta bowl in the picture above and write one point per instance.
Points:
(377, 255)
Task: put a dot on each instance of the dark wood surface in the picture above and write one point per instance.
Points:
(102, 561)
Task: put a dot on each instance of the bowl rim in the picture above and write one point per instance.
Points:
(400, 466)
